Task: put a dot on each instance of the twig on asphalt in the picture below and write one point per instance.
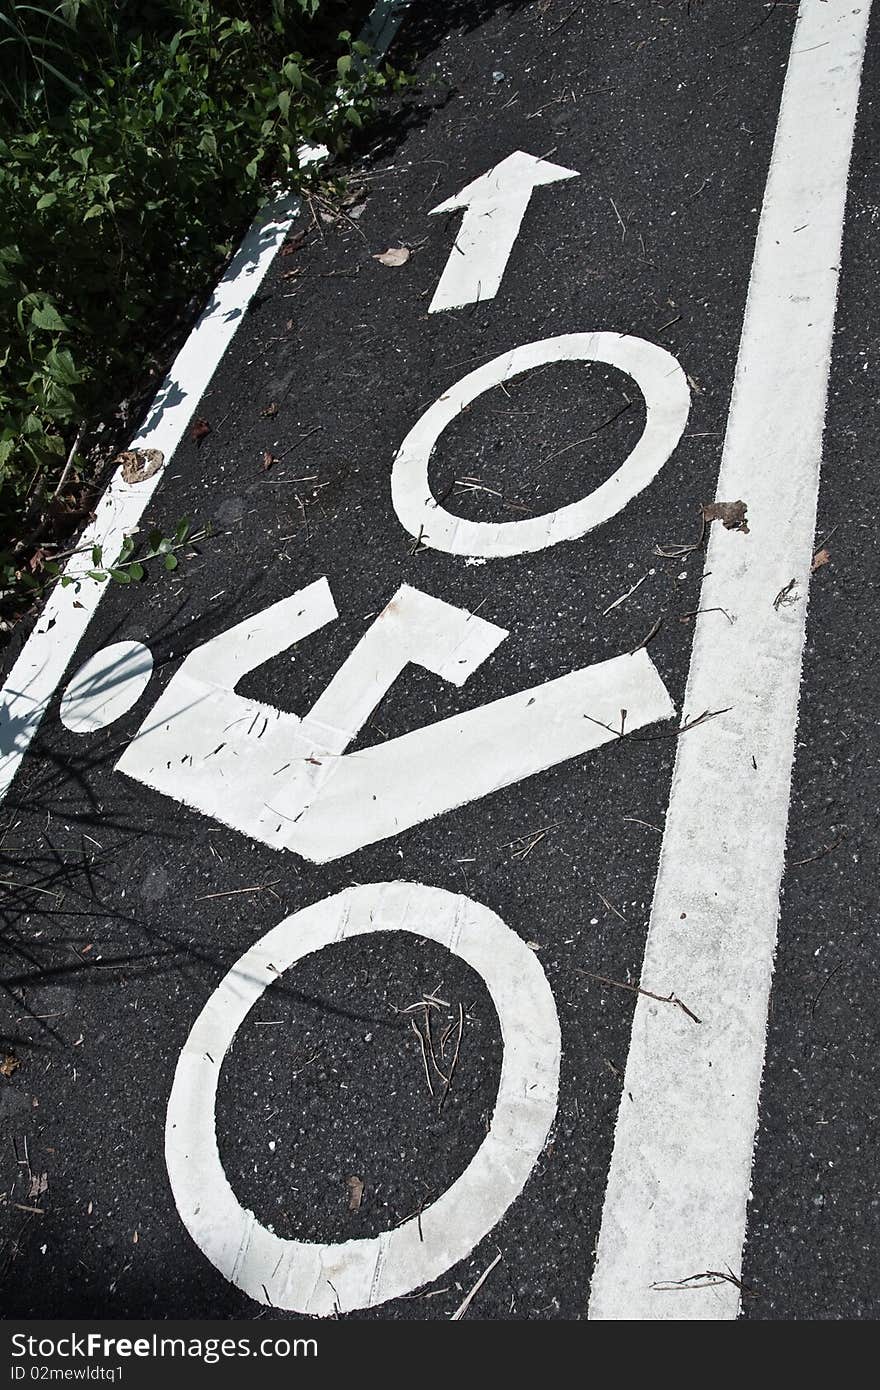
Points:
(619, 218)
(418, 1033)
(469, 1298)
(637, 989)
(454, 1063)
(623, 597)
(709, 1279)
(635, 821)
(820, 853)
(676, 549)
(650, 637)
(233, 892)
(612, 908)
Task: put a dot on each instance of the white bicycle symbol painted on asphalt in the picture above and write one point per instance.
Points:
(288, 782)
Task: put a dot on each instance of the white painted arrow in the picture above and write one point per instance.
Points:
(495, 205)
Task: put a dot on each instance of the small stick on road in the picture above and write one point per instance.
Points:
(469, 1298)
(637, 989)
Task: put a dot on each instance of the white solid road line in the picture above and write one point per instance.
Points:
(679, 1180)
(495, 205)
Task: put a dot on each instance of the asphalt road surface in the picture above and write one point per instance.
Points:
(480, 900)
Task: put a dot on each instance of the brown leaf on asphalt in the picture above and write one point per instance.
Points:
(355, 1192)
(294, 243)
(270, 411)
(395, 255)
(9, 1064)
(139, 464)
(732, 514)
(820, 558)
(39, 1185)
(198, 430)
(268, 460)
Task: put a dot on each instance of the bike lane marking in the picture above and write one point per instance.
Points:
(678, 1187)
(202, 737)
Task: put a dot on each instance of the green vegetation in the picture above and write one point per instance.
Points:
(136, 142)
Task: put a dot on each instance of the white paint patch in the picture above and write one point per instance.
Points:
(679, 1180)
(106, 686)
(664, 387)
(289, 783)
(318, 1280)
(495, 205)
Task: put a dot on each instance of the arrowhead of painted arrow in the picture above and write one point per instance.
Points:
(518, 171)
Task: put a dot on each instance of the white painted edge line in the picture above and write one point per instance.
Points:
(382, 24)
(678, 1187)
(45, 656)
(323, 1279)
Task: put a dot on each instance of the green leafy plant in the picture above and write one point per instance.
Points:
(128, 567)
(136, 142)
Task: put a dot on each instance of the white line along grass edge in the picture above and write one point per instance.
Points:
(45, 656)
(678, 1186)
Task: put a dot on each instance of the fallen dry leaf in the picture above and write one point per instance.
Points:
(139, 464)
(198, 430)
(9, 1064)
(355, 1192)
(270, 411)
(732, 514)
(268, 460)
(395, 255)
(39, 1184)
(293, 244)
(820, 558)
